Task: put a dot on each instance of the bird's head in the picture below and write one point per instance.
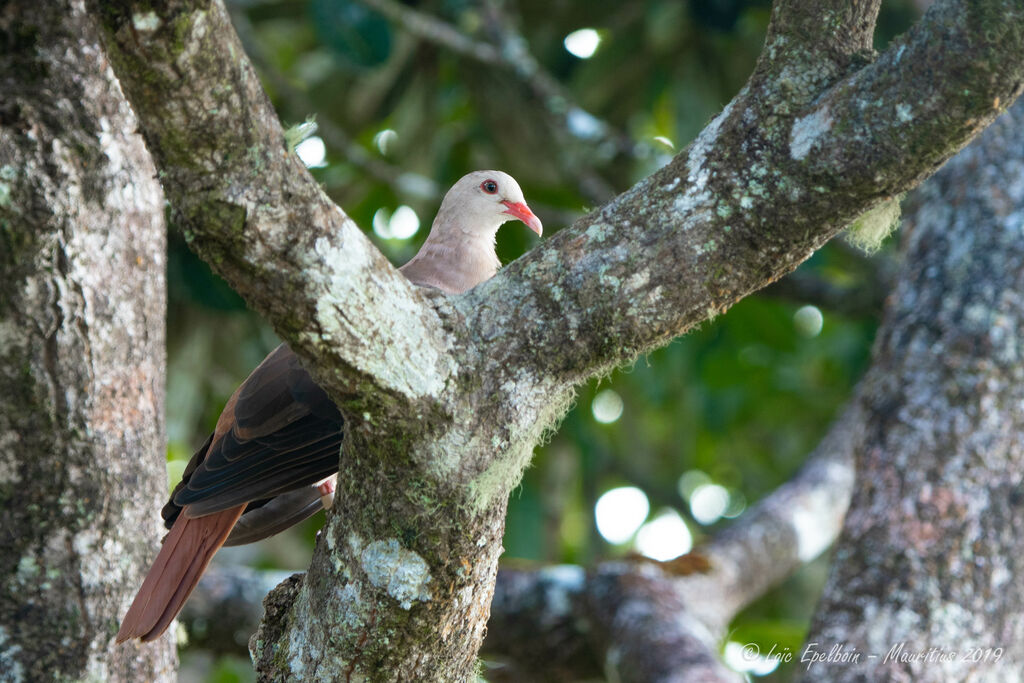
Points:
(483, 200)
(458, 254)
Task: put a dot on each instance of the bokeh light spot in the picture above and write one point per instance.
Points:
(690, 481)
(809, 321)
(619, 512)
(708, 503)
(400, 225)
(404, 223)
(312, 152)
(384, 140)
(665, 537)
(665, 141)
(607, 407)
(582, 43)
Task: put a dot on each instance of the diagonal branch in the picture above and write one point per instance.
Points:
(513, 55)
(767, 182)
(791, 161)
(750, 199)
(250, 208)
(567, 623)
(614, 616)
(333, 134)
(436, 31)
(784, 531)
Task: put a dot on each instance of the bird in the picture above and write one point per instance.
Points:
(272, 459)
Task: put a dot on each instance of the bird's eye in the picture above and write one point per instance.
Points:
(489, 186)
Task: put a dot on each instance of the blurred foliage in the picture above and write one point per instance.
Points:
(744, 399)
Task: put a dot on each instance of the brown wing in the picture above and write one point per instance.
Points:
(279, 432)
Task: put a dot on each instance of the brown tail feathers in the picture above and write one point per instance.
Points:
(186, 552)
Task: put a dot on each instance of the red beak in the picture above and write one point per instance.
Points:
(521, 211)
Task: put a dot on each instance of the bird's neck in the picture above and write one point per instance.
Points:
(454, 260)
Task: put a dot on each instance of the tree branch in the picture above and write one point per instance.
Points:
(555, 618)
(565, 623)
(786, 530)
(334, 135)
(249, 207)
(829, 34)
(792, 160)
(513, 55)
(435, 31)
(748, 200)
(612, 279)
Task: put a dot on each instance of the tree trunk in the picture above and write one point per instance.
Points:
(82, 296)
(926, 584)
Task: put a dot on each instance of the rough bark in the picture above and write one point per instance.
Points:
(445, 398)
(816, 138)
(250, 208)
(926, 584)
(81, 354)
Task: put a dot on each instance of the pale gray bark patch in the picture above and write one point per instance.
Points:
(807, 130)
(401, 572)
(82, 259)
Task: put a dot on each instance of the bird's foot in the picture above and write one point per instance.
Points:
(326, 489)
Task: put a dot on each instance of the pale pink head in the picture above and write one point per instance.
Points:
(484, 200)
(459, 251)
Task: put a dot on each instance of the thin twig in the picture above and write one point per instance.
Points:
(512, 53)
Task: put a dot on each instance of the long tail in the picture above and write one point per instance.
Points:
(186, 552)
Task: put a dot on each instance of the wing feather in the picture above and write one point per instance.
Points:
(279, 432)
